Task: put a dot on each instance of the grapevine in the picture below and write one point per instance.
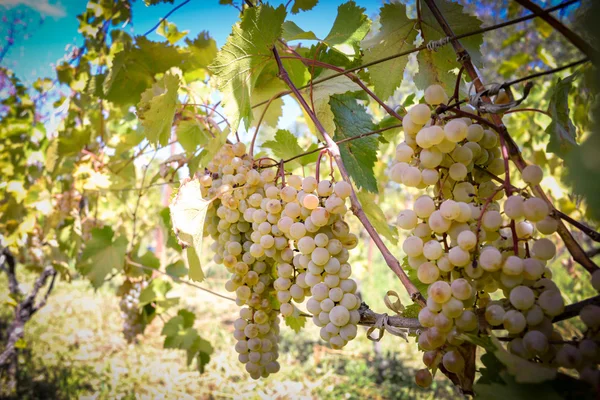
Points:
(88, 192)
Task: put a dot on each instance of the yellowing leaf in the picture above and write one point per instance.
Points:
(377, 217)
(188, 211)
(170, 32)
(156, 109)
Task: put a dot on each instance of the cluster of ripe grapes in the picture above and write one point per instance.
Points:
(130, 311)
(282, 239)
(478, 246)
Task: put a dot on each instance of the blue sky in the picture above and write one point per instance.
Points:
(33, 57)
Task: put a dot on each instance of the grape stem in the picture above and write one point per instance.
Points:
(357, 209)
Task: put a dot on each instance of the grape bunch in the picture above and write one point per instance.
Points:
(130, 311)
(471, 237)
(281, 242)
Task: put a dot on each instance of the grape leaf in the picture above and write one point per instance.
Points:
(351, 25)
(201, 53)
(208, 152)
(295, 321)
(133, 69)
(285, 145)
(359, 156)
(411, 311)
(246, 53)
(562, 132)
(376, 216)
(435, 66)
(397, 34)
(291, 31)
(180, 334)
(103, 253)
(177, 269)
(191, 134)
(156, 109)
(321, 94)
(188, 211)
(170, 32)
(303, 5)
(268, 85)
(412, 276)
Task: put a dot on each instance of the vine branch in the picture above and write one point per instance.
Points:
(334, 150)
(574, 38)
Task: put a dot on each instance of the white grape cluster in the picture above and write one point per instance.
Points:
(280, 242)
(461, 242)
(130, 311)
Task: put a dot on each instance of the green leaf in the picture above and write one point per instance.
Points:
(411, 311)
(412, 275)
(133, 69)
(351, 25)
(103, 253)
(244, 56)
(291, 31)
(188, 211)
(177, 269)
(435, 66)
(359, 156)
(295, 321)
(170, 32)
(376, 216)
(210, 150)
(191, 134)
(303, 5)
(513, 64)
(284, 146)
(180, 334)
(156, 109)
(563, 134)
(202, 52)
(397, 34)
(156, 290)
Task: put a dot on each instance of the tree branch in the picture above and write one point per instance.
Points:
(23, 313)
(595, 236)
(515, 154)
(574, 38)
(7, 264)
(334, 149)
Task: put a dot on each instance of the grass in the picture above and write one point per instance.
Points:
(75, 350)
